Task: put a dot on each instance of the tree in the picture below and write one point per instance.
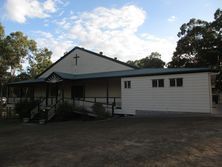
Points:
(3, 66)
(41, 61)
(199, 44)
(151, 61)
(16, 48)
(2, 31)
(2, 34)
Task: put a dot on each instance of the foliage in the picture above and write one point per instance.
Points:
(24, 108)
(100, 111)
(15, 49)
(81, 109)
(16, 46)
(43, 114)
(64, 111)
(151, 61)
(41, 61)
(21, 76)
(199, 44)
(2, 31)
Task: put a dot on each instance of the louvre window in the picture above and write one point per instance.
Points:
(154, 82)
(179, 82)
(158, 83)
(172, 82)
(127, 84)
(161, 82)
(176, 82)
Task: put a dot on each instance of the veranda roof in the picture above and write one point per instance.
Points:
(118, 74)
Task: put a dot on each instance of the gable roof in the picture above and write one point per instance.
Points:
(91, 52)
(119, 74)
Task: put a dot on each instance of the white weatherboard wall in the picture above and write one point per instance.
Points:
(194, 96)
(86, 63)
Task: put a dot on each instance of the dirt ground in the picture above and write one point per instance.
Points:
(115, 142)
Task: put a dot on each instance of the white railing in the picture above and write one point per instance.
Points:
(34, 111)
(87, 104)
(51, 113)
(51, 104)
(13, 100)
(39, 106)
(52, 110)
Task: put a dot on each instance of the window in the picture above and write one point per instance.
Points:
(127, 84)
(157, 83)
(161, 82)
(176, 82)
(154, 82)
(179, 82)
(172, 82)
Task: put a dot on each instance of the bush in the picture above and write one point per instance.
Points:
(24, 108)
(64, 111)
(81, 109)
(43, 114)
(100, 111)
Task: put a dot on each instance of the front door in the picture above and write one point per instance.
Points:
(78, 92)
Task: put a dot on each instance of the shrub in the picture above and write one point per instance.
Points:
(24, 108)
(100, 111)
(43, 114)
(64, 111)
(81, 109)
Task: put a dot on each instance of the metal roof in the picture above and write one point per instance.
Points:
(119, 74)
(32, 81)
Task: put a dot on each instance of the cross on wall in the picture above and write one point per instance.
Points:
(76, 58)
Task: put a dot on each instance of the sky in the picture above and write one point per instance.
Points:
(126, 29)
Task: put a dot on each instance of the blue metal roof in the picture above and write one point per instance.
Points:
(38, 80)
(120, 74)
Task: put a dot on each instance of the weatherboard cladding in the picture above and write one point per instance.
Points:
(91, 52)
(119, 74)
(193, 96)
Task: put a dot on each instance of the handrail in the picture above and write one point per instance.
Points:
(84, 100)
(36, 109)
(12, 100)
(51, 111)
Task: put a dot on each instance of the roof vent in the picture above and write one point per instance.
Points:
(115, 58)
(101, 53)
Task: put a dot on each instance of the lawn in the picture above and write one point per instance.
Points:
(115, 142)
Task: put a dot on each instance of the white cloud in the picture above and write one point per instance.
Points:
(58, 45)
(49, 6)
(20, 10)
(113, 31)
(172, 19)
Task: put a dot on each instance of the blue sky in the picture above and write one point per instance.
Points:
(124, 29)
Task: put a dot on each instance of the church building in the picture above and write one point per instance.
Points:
(85, 77)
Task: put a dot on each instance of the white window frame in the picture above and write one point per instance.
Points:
(127, 84)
